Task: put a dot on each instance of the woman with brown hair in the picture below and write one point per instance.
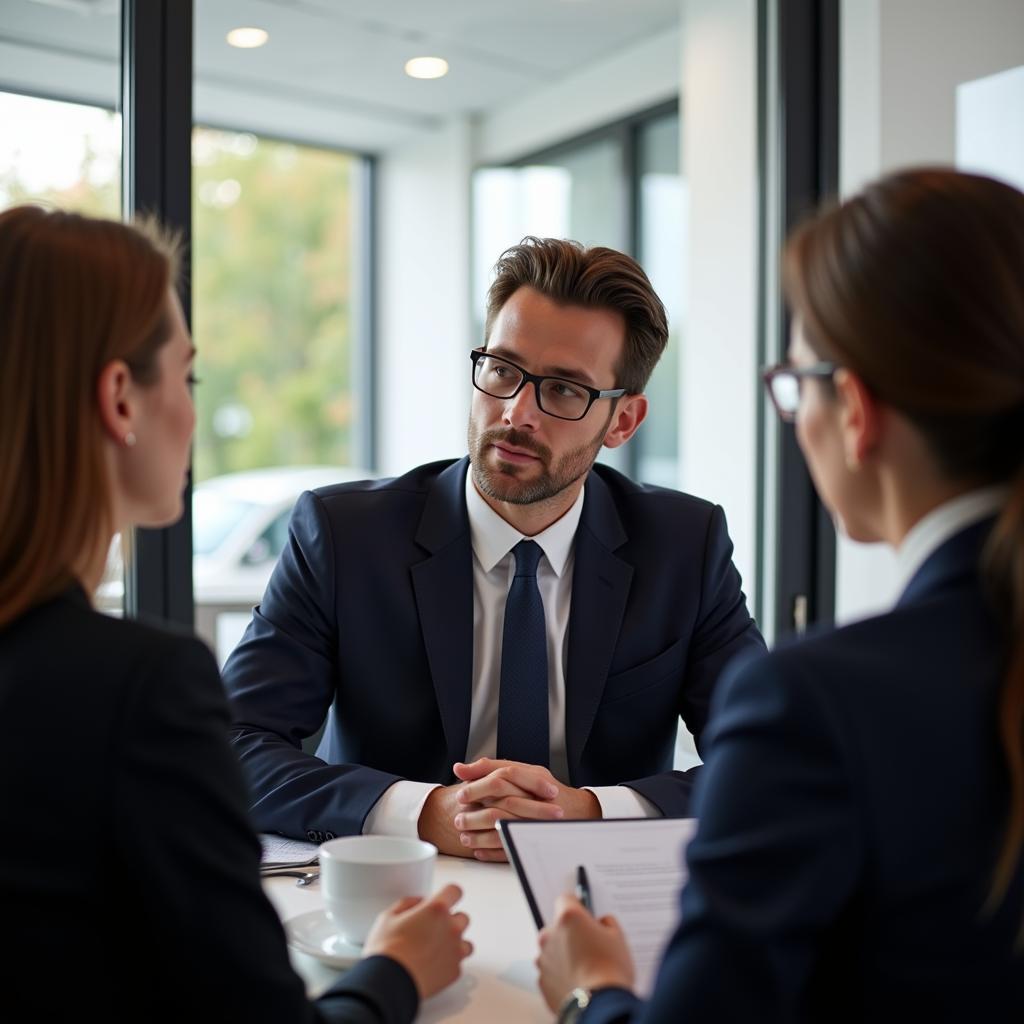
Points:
(129, 870)
(860, 852)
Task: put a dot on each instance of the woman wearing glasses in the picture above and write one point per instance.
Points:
(129, 871)
(859, 854)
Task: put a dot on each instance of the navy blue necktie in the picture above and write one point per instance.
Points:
(523, 701)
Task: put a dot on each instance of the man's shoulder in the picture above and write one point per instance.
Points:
(416, 484)
(364, 507)
(650, 497)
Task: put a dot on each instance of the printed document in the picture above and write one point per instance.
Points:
(635, 868)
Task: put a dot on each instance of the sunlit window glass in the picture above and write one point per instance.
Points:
(661, 253)
(65, 155)
(273, 319)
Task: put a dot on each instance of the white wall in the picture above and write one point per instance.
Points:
(423, 331)
(902, 61)
(718, 365)
(928, 48)
(990, 125)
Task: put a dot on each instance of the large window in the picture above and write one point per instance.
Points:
(275, 319)
(619, 187)
(61, 154)
(65, 155)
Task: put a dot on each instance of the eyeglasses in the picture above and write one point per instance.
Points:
(563, 399)
(783, 384)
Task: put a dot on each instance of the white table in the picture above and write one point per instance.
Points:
(499, 981)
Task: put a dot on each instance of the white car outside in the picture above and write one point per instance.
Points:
(240, 527)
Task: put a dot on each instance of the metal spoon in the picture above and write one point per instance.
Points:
(303, 877)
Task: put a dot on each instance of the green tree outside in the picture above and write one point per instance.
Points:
(271, 264)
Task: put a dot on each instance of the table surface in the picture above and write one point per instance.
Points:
(499, 980)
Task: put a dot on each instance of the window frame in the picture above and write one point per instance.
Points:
(798, 157)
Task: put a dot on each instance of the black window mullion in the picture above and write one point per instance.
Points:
(156, 55)
(807, 120)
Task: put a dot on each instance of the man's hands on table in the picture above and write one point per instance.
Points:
(460, 819)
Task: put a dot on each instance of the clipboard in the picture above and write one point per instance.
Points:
(636, 868)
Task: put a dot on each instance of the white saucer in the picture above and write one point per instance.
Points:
(314, 934)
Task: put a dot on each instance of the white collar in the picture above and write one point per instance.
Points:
(493, 538)
(927, 535)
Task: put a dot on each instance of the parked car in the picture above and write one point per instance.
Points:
(239, 528)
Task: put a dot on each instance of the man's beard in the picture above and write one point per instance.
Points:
(503, 484)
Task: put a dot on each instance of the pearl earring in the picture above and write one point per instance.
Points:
(129, 440)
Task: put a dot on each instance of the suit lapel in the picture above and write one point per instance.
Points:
(443, 585)
(600, 588)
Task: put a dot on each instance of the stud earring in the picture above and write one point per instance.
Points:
(129, 440)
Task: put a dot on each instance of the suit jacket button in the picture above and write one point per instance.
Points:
(329, 835)
(311, 836)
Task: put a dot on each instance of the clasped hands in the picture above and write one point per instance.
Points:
(577, 949)
(460, 819)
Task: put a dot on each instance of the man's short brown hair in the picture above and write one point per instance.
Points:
(597, 278)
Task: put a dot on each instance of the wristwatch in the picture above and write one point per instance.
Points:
(572, 1009)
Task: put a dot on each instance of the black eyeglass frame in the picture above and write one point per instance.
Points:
(532, 378)
(821, 371)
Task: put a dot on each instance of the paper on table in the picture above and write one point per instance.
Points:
(635, 868)
(279, 851)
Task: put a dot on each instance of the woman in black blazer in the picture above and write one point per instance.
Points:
(859, 850)
(129, 874)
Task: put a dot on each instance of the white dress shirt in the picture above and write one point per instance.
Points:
(929, 533)
(397, 811)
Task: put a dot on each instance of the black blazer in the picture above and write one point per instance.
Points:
(851, 811)
(369, 615)
(128, 867)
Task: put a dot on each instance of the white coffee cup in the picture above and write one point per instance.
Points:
(362, 875)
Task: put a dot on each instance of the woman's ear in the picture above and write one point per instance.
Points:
(860, 418)
(115, 395)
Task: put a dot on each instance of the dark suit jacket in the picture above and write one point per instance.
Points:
(851, 810)
(369, 613)
(128, 867)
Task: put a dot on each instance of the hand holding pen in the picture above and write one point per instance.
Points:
(579, 950)
(583, 889)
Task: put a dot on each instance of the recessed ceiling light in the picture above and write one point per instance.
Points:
(426, 67)
(247, 38)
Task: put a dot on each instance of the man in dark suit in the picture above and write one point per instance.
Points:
(513, 634)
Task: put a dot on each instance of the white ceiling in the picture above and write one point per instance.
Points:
(335, 67)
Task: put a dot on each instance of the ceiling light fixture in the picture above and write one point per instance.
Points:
(247, 38)
(426, 67)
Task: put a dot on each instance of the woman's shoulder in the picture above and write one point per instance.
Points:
(67, 635)
(910, 654)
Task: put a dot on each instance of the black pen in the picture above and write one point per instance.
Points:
(583, 888)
